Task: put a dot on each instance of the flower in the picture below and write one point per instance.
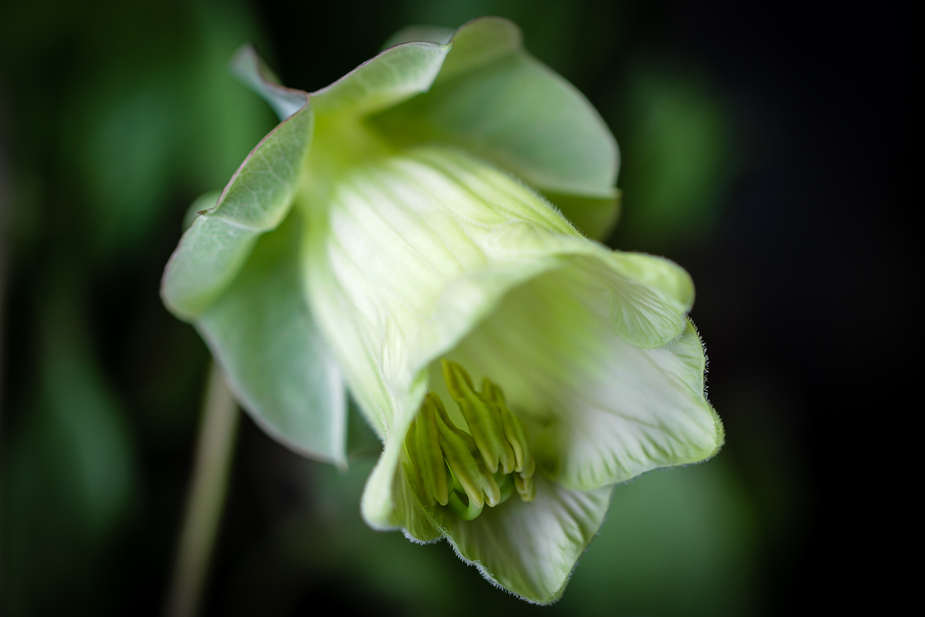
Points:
(418, 232)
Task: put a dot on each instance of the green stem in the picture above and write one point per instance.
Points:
(206, 497)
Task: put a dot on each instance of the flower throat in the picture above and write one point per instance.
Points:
(467, 470)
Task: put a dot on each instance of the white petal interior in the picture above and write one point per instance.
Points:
(531, 548)
(600, 409)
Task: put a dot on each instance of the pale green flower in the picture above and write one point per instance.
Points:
(514, 369)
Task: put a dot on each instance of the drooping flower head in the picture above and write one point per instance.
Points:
(419, 232)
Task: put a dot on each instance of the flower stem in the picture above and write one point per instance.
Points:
(206, 497)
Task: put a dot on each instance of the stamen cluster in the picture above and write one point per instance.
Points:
(467, 469)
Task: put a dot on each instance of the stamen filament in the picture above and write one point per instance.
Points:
(466, 513)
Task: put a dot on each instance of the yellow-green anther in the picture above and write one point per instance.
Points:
(484, 420)
(462, 457)
(430, 457)
(514, 430)
(526, 488)
(446, 464)
(419, 484)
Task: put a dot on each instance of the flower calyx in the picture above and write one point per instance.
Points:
(468, 469)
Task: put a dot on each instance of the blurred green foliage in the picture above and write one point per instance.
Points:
(680, 134)
(691, 531)
(114, 117)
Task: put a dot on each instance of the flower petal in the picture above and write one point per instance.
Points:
(396, 271)
(531, 548)
(648, 297)
(390, 503)
(397, 260)
(413, 252)
(601, 409)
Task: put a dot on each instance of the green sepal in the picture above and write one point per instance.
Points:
(261, 332)
(250, 68)
(495, 101)
(393, 76)
(215, 247)
(595, 217)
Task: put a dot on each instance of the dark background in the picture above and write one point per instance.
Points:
(766, 148)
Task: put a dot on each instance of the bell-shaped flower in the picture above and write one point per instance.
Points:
(418, 233)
